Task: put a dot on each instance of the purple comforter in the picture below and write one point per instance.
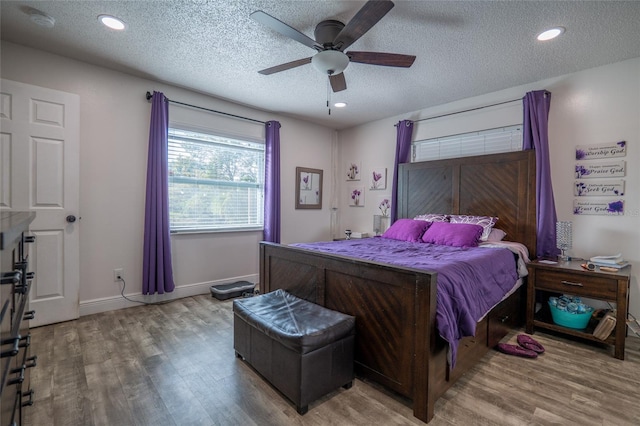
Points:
(470, 280)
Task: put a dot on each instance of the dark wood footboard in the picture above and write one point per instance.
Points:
(394, 307)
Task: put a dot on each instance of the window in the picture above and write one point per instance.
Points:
(491, 141)
(215, 182)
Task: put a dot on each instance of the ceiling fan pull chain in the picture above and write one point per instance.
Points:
(328, 92)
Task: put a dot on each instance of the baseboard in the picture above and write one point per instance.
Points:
(95, 306)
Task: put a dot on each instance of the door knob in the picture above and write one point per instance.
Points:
(71, 218)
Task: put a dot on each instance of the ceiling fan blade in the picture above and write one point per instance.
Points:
(338, 83)
(284, 29)
(284, 67)
(366, 18)
(379, 58)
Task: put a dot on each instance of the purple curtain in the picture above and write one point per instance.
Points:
(404, 130)
(157, 272)
(536, 136)
(271, 231)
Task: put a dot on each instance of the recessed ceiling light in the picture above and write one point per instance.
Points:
(550, 34)
(340, 104)
(111, 22)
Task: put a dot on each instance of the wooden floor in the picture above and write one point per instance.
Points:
(174, 364)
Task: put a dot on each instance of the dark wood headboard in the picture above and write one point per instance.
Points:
(500, 185)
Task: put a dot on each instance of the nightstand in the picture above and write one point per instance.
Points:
(570, 278)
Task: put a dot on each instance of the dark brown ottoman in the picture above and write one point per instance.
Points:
(303, 349)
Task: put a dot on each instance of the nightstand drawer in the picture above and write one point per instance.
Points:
(577, 284)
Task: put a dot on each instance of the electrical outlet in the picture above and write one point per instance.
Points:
(118, 274)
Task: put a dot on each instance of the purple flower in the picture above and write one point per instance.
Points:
(305, 179)
(580, 154)
(615, 207)
(353, 171)
(384, 207)
(621, 144)
(581, 171)
(376, 179)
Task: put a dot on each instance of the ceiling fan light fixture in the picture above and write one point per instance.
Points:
(330, 62)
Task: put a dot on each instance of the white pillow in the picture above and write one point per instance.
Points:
(433, 217)
(496, 235)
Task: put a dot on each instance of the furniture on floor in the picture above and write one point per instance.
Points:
(569, 277)
(303, 349)
(15, 357)
(397, 344)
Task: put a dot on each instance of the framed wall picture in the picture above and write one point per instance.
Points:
(356, 196)
(378, 178)
(308, 188)
(353, 170)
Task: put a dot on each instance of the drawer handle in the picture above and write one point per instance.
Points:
(13, 277)
(14, 341)
(29, 315)
(30, 395)
(572, 283)
(31, 362)
(503, 320)
(18, 379)
(30, 239)
(27, 341)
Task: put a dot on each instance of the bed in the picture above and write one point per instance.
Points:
(398, 344)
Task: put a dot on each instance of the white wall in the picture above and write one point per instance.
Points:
(589, 107)
(114, 133)
(595, 106)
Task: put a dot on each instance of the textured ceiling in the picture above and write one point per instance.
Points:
(463, 48)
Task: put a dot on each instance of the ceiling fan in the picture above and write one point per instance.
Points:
(332, 38)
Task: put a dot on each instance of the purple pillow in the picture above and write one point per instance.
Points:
(406, 230)
(453, 234)
(486, 222)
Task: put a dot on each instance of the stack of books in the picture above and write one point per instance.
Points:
(616, 261)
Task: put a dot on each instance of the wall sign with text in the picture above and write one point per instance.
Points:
(612, 187)
(586, 170)
(610, 208)
(609, 150)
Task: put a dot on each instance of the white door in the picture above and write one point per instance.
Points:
(39, 153)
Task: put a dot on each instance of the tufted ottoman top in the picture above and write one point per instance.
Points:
(296, 323)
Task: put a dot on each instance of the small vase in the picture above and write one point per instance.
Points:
(384, 224)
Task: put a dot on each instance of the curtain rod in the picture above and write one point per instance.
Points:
(468, 110)
(149, 96)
